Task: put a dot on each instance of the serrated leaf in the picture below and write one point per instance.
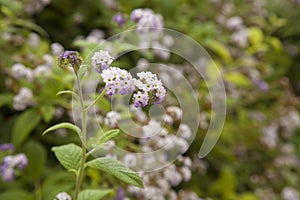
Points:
(67, 125)
(93, 194)
(24, 124)
(69, 156)
(117, 169)
(108, 135)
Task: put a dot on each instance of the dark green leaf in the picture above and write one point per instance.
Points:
(24, 124)
(36, 155)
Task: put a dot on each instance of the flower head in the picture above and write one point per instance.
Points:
(149, 90)
(23, 99)
(70, 58)
(146, 19)
(101, 60)
(63, 196)
(8, 165)
(118, 81)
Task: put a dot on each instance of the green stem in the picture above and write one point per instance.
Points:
(79, 176)
(96, 100)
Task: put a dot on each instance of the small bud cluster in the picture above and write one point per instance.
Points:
(70, 58)
(119, 19)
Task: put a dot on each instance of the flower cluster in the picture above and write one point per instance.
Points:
(8, 165)
(23, 99)
(118, 81)
(63, 196)
(18, 71)
(70, 58)
(148, 87)
(146, 20)
(101, 60)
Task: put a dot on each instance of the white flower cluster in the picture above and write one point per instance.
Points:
(111, 119)
(23, 99)
(20, 71)
(146, 20)
(63, 196)
(101, 60)
(149, 87)
(117, 81)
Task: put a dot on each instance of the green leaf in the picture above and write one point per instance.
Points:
(237, 79)
(108, 135)
(68, 92)
(225, 185)
(67, 125)
(5, 99)
(219, 49)
(16, 194)
(93, 194)
(256, 36)
(30, 25)
(47, 112)
(24, 124)
(69, 156)
(117, 169)
(36, 155)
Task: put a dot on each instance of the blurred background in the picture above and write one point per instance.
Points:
(255, 44)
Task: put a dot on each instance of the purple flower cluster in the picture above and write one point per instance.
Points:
(70, 58)
(119, 19)
(146, 19)
(101, 60)
(7, 147)
(8, 165)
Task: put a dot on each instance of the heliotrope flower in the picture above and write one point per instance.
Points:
(118, 81)
(101, 60)
(146, 19)
(8, 165)
(149, 90)
(70, 58)
(63, 196)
